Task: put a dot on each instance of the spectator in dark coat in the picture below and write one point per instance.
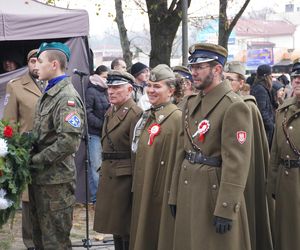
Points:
(261, 90)
(96, 105)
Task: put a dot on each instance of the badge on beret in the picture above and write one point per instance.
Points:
(241, 136)
(73, 120)
(203, 127)
(192, 49)
(153, 131)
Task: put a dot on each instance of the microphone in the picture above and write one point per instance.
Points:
(80, 73)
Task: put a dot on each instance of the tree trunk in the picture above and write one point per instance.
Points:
(164, 23)
(125, 44)
(225, 26)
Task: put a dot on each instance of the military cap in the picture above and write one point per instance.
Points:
(264, 70)
(32, 53)
(116, 77)
(207, 52)
(296, 67)
(55, 46)
(235, 67)
(183, 71)
(161, 72)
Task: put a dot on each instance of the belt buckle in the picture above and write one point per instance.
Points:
(192, 156)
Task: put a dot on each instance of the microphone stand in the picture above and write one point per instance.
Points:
(87, 243)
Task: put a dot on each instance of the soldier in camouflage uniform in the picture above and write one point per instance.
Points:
(58, 125)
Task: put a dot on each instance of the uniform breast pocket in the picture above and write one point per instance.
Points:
(46, 121)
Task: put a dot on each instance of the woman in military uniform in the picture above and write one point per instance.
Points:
(156, 145)
(284, 173)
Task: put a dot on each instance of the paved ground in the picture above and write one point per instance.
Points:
(11, 238)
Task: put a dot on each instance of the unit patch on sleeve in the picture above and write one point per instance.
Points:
(73, 120)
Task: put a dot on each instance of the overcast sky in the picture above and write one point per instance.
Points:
(136, 21)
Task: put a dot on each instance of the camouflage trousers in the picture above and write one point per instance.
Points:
(51, 211)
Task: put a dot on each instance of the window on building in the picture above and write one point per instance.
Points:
(289, 8)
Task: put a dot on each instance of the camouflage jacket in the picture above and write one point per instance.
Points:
(58, 126)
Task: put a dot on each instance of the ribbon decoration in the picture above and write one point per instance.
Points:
(153, 131)
(203, 127)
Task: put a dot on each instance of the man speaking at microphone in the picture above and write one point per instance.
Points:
(58, 126)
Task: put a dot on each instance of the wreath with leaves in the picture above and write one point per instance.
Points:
(14, 169)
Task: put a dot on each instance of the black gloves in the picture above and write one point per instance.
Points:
(173, 210)
(222, 225)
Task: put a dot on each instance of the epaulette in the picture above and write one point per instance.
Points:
(136, 109)
(286, 103)
(233, 96)
(15, 79)
(250, 98)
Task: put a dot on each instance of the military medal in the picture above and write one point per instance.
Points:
(153, 131)
(203, 127)
(71, 103)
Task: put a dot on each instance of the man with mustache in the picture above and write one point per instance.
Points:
(208, 183)
(19, 107)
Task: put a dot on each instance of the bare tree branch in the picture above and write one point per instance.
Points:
(238, 15)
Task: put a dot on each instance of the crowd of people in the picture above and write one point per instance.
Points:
(191, 158)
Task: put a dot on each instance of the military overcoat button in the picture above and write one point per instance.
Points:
(286, 172)
(237, 208)
(287, 156)
(290, 127)
(184, 167)
(224, 204)
(214, 186)
(185, 182)
(162, 162)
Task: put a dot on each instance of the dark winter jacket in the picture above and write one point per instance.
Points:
(96, 105)
(264, 101)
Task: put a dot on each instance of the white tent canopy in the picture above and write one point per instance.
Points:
(29, 19)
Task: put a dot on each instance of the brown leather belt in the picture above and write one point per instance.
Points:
(199, 158)
(290, 163)
(116, 156)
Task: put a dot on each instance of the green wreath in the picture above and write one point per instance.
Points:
(14, 171)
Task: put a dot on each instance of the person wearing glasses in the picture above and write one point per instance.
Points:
(255, 192)
(207, 189)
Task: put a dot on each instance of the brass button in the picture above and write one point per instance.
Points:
(184, 167)
(185, 182)
(296, 116)
(287, 156)
(287, 142)
(196, 122)
(214, 186)
(286, 172)
(290, 127)
(162, 162)
(237, 208)
(224, 204)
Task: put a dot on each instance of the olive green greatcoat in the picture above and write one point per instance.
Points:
(19, 107)
(113, 206)
(201, 191)
(152, 224)
(283, 182)
(255, 191)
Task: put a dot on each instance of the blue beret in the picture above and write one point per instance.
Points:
(207, 52)
(55, 46)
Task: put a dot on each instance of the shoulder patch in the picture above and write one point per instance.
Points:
(73, 120)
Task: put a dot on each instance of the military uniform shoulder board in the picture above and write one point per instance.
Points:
(14, 80)
(288, 102)
(233, 96)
